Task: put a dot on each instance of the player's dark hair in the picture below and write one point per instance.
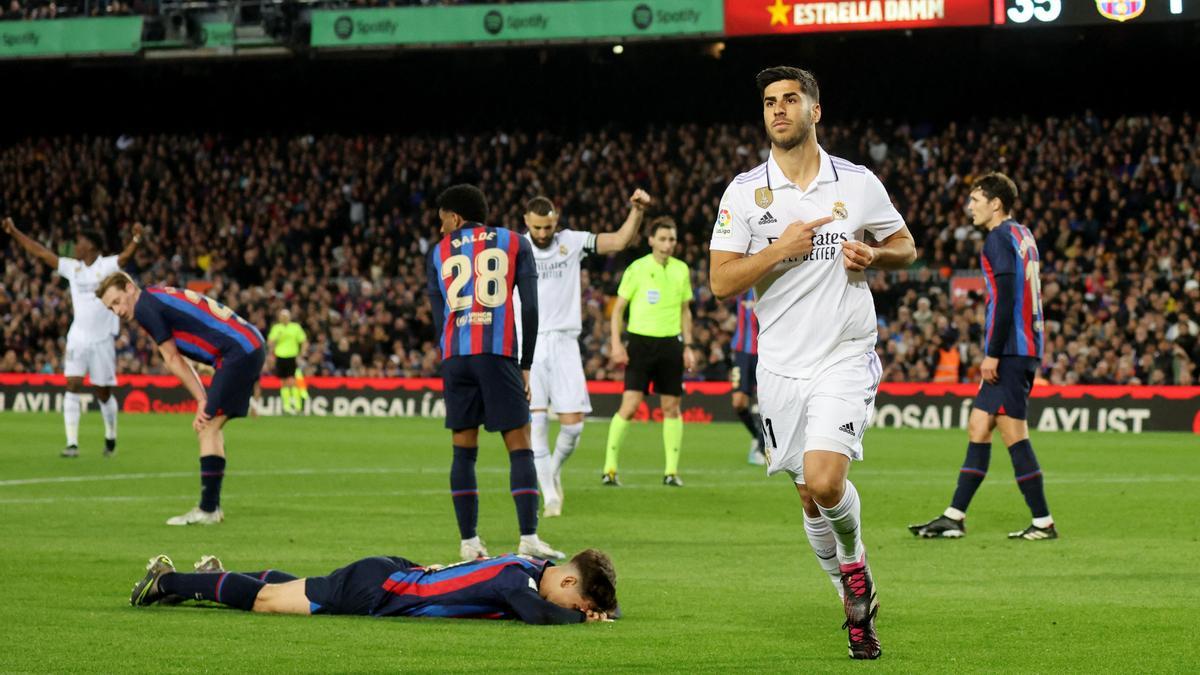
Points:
(93, 236)
(662, 223)
(808, 82)
(540, 206)
(118, 280)
(465, 200)
(597, 579)
(997, 186)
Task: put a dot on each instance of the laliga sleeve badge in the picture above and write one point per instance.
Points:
(763, 197)
(839, 211)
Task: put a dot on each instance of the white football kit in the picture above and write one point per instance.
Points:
(817, 368)
(557, 375)
(90, 347)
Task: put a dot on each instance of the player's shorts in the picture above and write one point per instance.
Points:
(556, 378)
(484, 389)
(356, 588)
(97, 360)
(285, 367)
(657, 360)
(233, 385)
(1009, 396)
(828, 412)
(744, 376)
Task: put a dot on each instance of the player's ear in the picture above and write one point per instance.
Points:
(569, 581)
(816, 113)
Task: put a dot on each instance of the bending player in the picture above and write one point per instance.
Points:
(557, 375)
(506, 587)
(90, 348)
(186, 323)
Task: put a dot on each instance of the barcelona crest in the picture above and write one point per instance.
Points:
(1120, 10)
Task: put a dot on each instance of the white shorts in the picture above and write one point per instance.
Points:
(556, 379)
(828, 412)
(97, 360)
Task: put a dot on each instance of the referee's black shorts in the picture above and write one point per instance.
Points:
(285, 366)
(655, 360)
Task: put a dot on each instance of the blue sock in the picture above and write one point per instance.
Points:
(522, 478)
(212, 472)
(464, 490)
(971, 476)
(1029, 477)
(270, 576)
(227, 588)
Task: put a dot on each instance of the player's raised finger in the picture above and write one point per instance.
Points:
(814, 224)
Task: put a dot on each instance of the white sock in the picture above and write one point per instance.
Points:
(847, 528)
(565, 444)
(542, 461)
(1043, 522)
(530, 539)
(824, 545)
(108, 410)
(473, 541)
(71, 412)
(954, 514)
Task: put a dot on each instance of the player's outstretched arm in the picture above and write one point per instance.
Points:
(611, 242)
(127, 254)
(30, 245)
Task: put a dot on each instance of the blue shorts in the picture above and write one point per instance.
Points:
(744, 376)
(233, 385)
(484, 389)
(1009, 396)
(354, 589)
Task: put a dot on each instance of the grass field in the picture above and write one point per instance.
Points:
(714, 577)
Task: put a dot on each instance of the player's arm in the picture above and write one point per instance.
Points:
(534, 609)
(30, 245)
(611, 242)
(896, 249)
(617, 353)
(527, 286)
(689, 355)
(1001, 260)
(732, 273)
(180, 368)
(436, 301)
(127, 254)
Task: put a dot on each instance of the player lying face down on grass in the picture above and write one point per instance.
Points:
(506, 587)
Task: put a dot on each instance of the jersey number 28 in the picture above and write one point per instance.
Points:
(491, 275)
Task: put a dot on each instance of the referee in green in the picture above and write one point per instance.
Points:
(657, 289)
(286, 340)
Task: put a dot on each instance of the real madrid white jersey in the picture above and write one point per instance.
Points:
(558, 267)
(92, 322)
(812, 312)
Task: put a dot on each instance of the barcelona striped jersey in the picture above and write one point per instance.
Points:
(1011, 265)
(504, 587)
(745, 336)
(203, 329)
(472, 275)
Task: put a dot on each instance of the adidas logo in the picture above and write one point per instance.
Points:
(848, 428)
(767, 219)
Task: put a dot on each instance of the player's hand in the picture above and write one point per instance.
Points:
(593, 617)
(640, 199)
(796, 240)
(528, 394)
(201, 420)
(138, 232)
(989, 369)
(9, 226)
(857, 255)
(689, 359)
(619, 356)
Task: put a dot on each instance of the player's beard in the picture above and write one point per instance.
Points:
(803, 128)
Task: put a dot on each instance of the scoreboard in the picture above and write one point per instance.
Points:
(1022, 13)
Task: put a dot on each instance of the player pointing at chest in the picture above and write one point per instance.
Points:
(794, 228)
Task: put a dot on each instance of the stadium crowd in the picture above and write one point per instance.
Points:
(335, 228)
(24, 10)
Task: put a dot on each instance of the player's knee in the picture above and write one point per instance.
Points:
(824, 487)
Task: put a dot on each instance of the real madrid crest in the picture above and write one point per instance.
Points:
(763, 197)
(839, 211)
(562, 249)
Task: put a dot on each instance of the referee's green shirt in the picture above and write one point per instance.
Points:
(287, 338)
(656, 294)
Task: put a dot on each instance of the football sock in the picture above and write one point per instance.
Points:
(285, 393)
(108, 410)
(844, 519)
(212, 472)
(1029, 477)
(464, 491)
(824, 545)
(971, 475)
(747, 419)
(227, 588)
(71, 412)
(672, 430)
(270, 576)
(542, 459)
(522, 479)
(565, 444)
(617, 429)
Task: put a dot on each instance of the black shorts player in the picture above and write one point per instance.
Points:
(285, 367)
(657, 361)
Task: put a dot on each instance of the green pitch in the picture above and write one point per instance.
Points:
(714, 576)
